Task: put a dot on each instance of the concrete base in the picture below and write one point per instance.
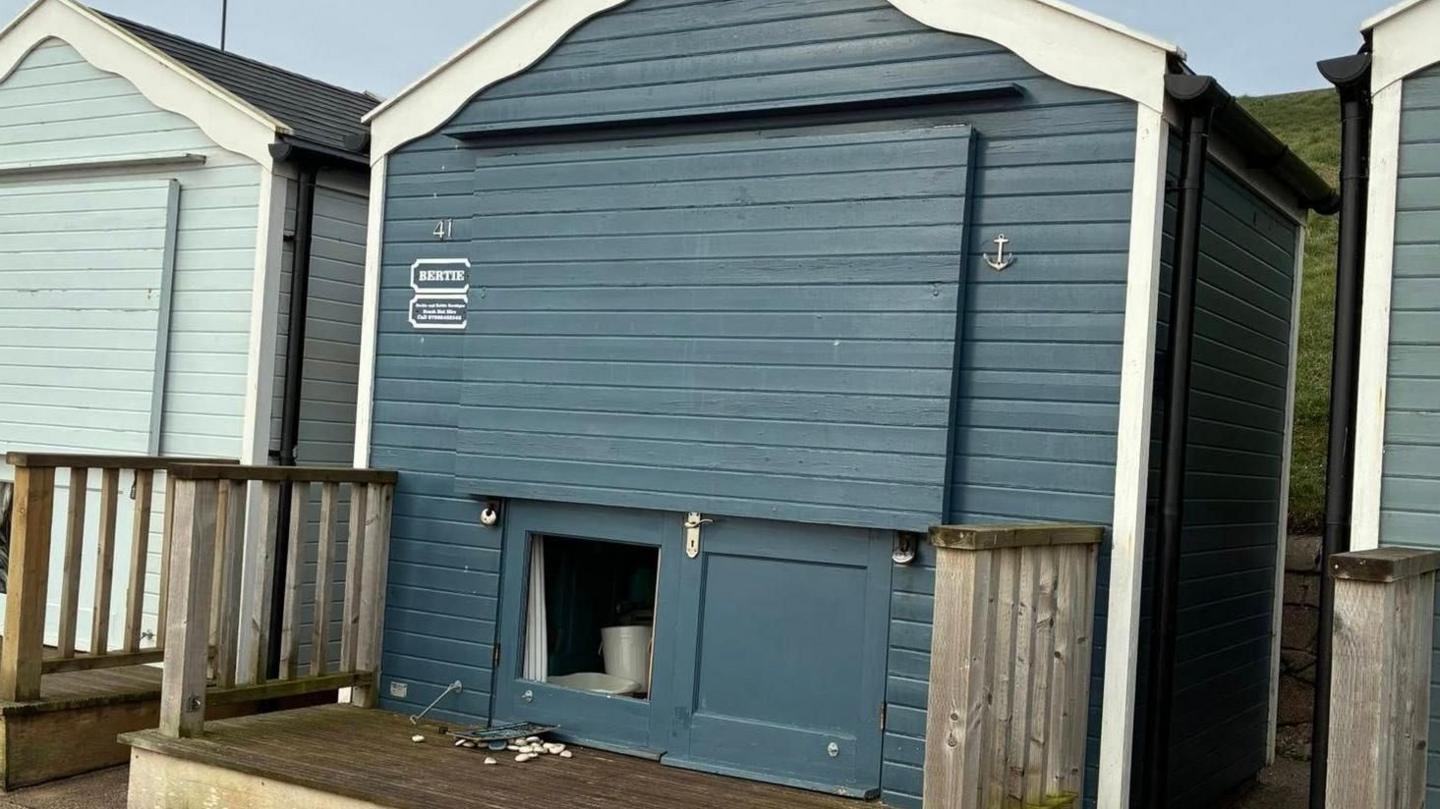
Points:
(158, 781)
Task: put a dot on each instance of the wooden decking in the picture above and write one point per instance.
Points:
(72, 727)
(367, 756)
(136, 682)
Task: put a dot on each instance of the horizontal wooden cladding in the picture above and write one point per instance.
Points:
(865, 353)
(996, 537)
(299, 474)
(84, 461)
(1384, 564)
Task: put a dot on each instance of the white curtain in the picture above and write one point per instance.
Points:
(537, 636)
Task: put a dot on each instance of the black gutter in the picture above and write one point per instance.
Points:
(291, 395)
(1264, 151)
(1351, 77)
(292, 149)
(1199, 98)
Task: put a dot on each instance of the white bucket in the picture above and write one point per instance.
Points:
(627, 653)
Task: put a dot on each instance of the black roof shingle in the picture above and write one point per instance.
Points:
(320, 113)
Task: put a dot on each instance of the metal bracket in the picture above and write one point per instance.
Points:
(693, 521)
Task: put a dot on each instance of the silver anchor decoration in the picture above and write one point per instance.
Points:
(1001, 262)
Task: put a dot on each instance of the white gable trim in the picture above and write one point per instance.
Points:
(1069, 44)
(1389, 14)
(1403, 41)
(227, 120)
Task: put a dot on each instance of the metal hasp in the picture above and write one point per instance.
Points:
(1351, 77)
(1199, 98)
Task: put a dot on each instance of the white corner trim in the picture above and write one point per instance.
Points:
(264, 316)
(370, 317)
(1056, 38)
(230, 122)
(1132, 458)
(1375, 318)
(1403, 42)
(1301, 235)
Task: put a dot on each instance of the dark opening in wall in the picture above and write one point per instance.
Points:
(596, 602)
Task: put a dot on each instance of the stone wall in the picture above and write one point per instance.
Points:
(1300, 622)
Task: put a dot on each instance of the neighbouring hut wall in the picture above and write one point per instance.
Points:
(332, 323)
(1410, 481)
(1234, 503)
(332, 362)
(55, 106)
(1041, 343)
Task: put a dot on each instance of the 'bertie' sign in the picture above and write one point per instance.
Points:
(442, 294)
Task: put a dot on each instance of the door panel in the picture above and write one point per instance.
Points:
(789, 625)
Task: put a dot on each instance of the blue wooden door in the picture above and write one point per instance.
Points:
(786, 678)
(631, 725)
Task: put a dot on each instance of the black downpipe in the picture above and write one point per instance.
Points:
(1351, 76)
(290, 400)
(1197, 96)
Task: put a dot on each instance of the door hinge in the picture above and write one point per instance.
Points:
(882, 715)
(494, 655)
(693, 521)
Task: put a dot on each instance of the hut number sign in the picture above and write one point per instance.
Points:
(442, 294)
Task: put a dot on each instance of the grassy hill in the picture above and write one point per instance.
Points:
(1310, 123)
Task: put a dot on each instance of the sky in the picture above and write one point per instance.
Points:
(1255, 47)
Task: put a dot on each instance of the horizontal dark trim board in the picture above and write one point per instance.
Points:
(858, 101)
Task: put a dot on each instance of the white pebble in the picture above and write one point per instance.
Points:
(491, 760)
(524, 757)
(513, 747)
(566, 754)
(459, 742)
(532, 739)
(417, 738)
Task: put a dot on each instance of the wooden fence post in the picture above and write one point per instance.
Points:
(1379, 714)
(372, 591)
(20, 660)
(1010, 665)
(182, 700)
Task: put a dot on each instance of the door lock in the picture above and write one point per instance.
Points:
(692, 533)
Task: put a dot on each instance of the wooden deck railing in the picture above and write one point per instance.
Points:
(24, 659)
(205, 607)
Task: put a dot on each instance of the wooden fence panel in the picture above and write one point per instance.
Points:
(1010, 663)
